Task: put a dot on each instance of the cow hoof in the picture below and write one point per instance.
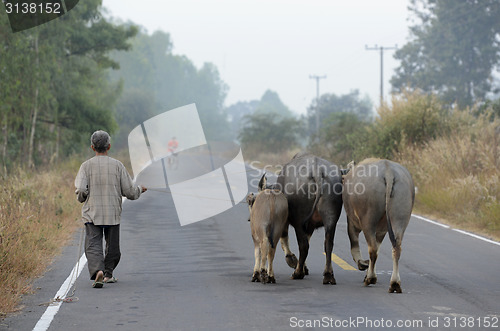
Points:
(298, 275)
(292, 261)
(306, 271)
(395, 288)
(363, 264)
(264, 277)
(271, 280)
(255, 277)
(329, 279)
(370, 281)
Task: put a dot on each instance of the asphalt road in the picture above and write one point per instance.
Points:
(197, 277)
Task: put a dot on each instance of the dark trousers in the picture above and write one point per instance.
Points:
(97, 259)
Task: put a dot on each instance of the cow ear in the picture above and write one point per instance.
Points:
(250, 199)
(262, 183)
(350, 166)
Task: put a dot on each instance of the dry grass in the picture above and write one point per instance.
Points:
(38, 215)
(458, 177)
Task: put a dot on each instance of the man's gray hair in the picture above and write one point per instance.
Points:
(100, 140)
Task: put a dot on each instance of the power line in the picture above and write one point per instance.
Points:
(381, 48)
(317, 97)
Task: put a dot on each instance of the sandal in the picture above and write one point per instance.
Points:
(109, 280)
(98, 282)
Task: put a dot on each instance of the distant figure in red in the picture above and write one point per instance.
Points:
(172, 145)
(172, 158)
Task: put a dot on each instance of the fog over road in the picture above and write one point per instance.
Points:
(197, 277)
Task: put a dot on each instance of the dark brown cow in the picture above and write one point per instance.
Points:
(313, 187)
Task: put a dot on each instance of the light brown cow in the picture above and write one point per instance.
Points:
(378, 198)
(268, 218)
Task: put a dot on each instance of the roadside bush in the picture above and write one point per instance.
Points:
(458, 176)
(413, 118)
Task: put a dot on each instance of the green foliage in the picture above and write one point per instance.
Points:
(237, 112)
(270, 103)
(343, 118)
(155, 80)
(329, 104)
(453, 50)
(413, 119)
(337, 137)
(262, 133)
(209, 93)
(491, 108)
(54, 89)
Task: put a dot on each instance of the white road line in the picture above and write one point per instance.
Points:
(457, 230)
(430, 221)
(477, 237)
(51, 311)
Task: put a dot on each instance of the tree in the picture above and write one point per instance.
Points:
(270, 103)
(412, 119)
(53, 86)
(152, 71)
(14, 86)
(81, 42)
(133, 107)
(209, 94)
(454, 48)
(336, 137)
(237, 112)
(348, 103)
(262, 133)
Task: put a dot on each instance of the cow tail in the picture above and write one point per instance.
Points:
(319, 183)
(389, 183)
(270, 228)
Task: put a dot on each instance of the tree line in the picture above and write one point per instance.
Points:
(66, 78)
(69, 77)
(454, 49)
(156, 80)
(54, 88)
(447, 66)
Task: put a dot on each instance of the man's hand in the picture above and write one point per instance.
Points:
(143, 188)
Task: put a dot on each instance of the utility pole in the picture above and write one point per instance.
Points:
(381, 48)
(317, 97)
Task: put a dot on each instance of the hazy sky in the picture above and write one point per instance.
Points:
(276, 44)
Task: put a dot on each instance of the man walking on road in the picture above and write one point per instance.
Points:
(100, 184)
